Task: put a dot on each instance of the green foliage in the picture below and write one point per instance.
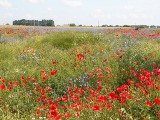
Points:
(72, 25)
(126, 26)
(69, 39)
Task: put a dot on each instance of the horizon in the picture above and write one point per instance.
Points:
(82, 12)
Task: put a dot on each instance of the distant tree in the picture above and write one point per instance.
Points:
(49, 24)
(80, 25)
(72, 25)
(7, 24)
(104, 25)
(137, 27)
(152, 26)
(27, 24)
(126, 26)
(110, 25)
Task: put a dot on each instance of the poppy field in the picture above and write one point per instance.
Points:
(113, 74)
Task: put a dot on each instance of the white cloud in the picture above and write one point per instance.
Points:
(73, 3)
(36, 1)
(5, 4)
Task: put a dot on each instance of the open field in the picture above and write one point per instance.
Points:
(111, 74)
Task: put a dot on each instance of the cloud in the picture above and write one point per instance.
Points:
(36, 1)
(73, 3)
(5, 4)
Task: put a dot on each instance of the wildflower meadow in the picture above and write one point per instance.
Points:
(111, 74)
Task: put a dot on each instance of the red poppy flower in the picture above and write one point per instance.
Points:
(38, 113)
(130, 82)
(58, 99)
(99, 88)
(148, 103)
(109, 106)
(158, 114)
(42, 91)
(96, 108)
(2, 87)
(29, 78)
(108, 69)
(53, 72)
(88, 51)
(22, 77)
(24, 83)
(105, 60)
(53, 107)
(98, 81)
(80, 57)
(53, 113)
(65, 98)
(122, 88)
(74, 98)
(157, 100)
(10, 87)
(3, 81)
(78, 114)
(132, 69)
(10, 83)
(155, 65)
(67, 115)
(101, 51)
(49, 89)
(113, 96)
(101, 98)
(58, 117)
(110, 76)
(1, 100)
(121, 50)
(45, 76)
(158, 72)
(123, 101)
(38, 99)
(120, 56)
(54, 63)
(42, 71)
(112, 56)
(44, 97)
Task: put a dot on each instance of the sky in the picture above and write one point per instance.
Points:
(84, 12)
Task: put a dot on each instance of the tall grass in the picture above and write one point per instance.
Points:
(69, 39)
